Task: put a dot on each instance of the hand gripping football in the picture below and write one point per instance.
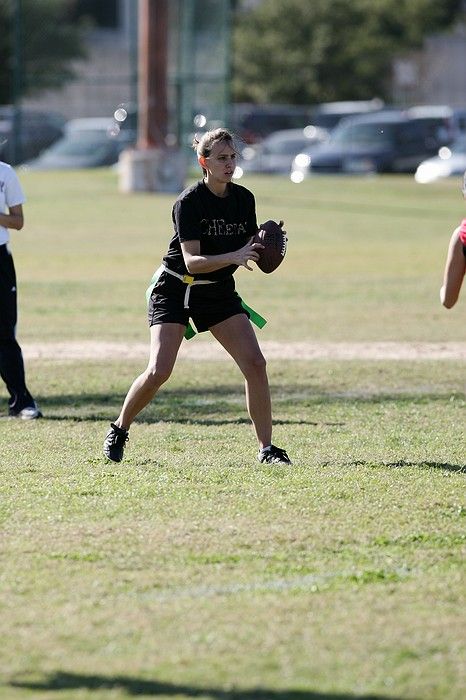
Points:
(274, 241)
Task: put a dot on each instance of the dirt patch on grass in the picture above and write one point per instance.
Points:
(201, 350)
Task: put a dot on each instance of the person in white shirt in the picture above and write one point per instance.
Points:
(20, 403)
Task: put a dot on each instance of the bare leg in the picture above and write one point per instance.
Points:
(239, 340)
(455, 268)
(164, 345)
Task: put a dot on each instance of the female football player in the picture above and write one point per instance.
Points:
(214, 223)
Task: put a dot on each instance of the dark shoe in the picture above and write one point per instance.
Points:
(114, 443)
(273, 455)
(26, 413)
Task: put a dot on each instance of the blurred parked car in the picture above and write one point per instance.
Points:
(439, 122)
(252, 123)
(450, 161)
(37, 131)
(87, 143)
(276, 152)
(328, 115)
(459, 116)
(392, 141)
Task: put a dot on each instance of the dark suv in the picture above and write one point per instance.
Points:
(328, 115)
(384, 142)
(253, 122)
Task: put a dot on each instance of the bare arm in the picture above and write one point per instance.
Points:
(196, 263)
(14, 218)
(455, 268)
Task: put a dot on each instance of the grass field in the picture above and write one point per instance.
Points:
(191, 571)
(365, 258)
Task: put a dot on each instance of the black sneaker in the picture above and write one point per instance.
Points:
(114, 443)
(26, 413)
(273, 455)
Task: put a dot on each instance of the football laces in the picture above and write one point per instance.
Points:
(284, 245)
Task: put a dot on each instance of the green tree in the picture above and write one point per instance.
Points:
(49, 43)
(307, 51)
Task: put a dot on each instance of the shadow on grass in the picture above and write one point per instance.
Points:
(220, 405)
(223, 404)
(160, 412)
(135, 686)
(446, 466)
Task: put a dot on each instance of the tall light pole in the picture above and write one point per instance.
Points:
(152, 166)
(153, 47)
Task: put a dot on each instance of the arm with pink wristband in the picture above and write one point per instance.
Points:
(462, 232)
(455, 267)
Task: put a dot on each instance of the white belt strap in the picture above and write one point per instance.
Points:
(189, 281)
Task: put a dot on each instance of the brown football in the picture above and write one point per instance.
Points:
(274, 241)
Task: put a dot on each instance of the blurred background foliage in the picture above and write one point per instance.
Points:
(292, 51)
(44, 38)
(306, 52)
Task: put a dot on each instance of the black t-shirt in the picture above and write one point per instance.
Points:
(221, 224)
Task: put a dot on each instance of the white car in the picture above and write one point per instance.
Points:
(87, 143)
(450, 161)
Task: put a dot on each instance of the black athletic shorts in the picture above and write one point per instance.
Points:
(209, 304)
